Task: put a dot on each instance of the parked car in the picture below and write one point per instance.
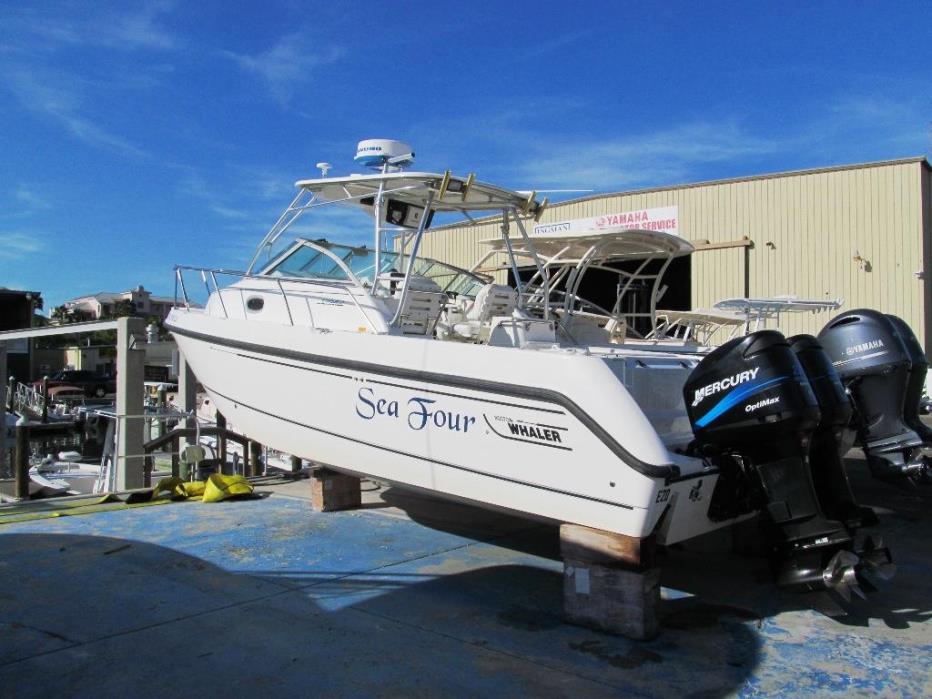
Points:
(93, 385)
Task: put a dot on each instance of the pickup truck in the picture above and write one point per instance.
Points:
(93, 385)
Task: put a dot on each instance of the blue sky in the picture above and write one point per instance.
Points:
(134, 137)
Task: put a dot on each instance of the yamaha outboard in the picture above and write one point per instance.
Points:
(875, 366)
(833, 436)
(752, 408)
(917, 378)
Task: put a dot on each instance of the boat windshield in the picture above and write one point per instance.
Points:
(305, 261)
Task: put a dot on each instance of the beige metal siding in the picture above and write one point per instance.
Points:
(854, 233)
(926, 178)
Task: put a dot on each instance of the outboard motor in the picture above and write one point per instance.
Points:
(917, 378)
(749, 402)
(833, 436)
(874, 365)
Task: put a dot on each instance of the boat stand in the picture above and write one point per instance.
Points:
(610, 581)
(332, 491)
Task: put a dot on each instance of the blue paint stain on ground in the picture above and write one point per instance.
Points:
(404, 608)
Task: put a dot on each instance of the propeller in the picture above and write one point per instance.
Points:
(876, 560)
(840, 575)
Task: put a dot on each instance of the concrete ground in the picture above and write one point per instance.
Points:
(410, 596)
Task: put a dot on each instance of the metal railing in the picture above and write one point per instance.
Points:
(25, 398)
(211, 285)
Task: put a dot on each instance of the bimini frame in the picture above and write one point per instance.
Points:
(563, 261)
(403, 204)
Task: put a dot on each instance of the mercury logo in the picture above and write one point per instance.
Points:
(719, 386)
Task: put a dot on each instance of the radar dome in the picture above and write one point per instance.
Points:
(377, 152)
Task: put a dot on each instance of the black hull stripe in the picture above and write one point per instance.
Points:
(535, 393)
(398, 385)
(417, 457)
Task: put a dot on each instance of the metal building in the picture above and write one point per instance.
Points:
(859, 233)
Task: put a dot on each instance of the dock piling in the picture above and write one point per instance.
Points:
(21, 460)
(4, 394)
(255, 468)
(222, 441)
(45, 400)
(130, 464)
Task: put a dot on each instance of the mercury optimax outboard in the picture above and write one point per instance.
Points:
(753, 410)
(882, 366)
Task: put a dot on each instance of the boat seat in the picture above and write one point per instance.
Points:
(423, 304)
(585, 329)
(492, 301)
(617, 330)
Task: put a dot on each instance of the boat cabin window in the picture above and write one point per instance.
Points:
(306, 262)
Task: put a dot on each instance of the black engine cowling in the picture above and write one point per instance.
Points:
(749, 401)
(917, 378)
(875, 363)
(833, 436)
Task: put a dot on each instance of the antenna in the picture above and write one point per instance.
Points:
(324, 168)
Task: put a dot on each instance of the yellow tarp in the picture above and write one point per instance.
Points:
(215, 489)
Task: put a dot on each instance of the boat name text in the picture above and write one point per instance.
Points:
(721, 385)
(420, 412)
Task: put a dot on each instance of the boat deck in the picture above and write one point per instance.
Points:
(410, 596)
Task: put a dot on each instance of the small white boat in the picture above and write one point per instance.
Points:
(66, 473)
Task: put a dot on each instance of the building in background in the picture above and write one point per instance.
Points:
(859, 233)
(137, 301)
(17, 311)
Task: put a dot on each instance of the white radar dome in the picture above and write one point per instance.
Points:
(376, 152)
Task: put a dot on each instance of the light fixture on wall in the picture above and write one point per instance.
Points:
(862, 262)
(770, 244)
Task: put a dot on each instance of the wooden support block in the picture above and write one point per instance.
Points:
(331, 491)
(612, 599)
(604, 548)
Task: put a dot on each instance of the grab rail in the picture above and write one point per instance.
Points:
(213, 287)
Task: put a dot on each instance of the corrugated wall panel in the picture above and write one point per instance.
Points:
(816, 222)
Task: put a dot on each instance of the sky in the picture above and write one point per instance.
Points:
(134, 137)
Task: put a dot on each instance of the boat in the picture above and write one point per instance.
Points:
(67, 474)
(378, 362)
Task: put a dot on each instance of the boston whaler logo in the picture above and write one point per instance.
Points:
(723, 384)
(523, 431)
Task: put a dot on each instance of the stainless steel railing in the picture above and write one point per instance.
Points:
(208, 278)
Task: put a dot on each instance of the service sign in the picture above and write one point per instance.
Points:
(665, 218)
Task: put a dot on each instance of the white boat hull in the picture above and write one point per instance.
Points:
(528, 433)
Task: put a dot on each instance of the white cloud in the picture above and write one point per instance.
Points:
(16, 246)
(900, 127)
(31, 29)
(287, 65)
(662, 157)
(29, 199)
(54, 95)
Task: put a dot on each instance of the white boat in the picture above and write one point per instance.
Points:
(67, 473)
(381, 363)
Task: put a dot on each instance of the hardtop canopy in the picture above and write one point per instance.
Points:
(449, 193)
(615, 243)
